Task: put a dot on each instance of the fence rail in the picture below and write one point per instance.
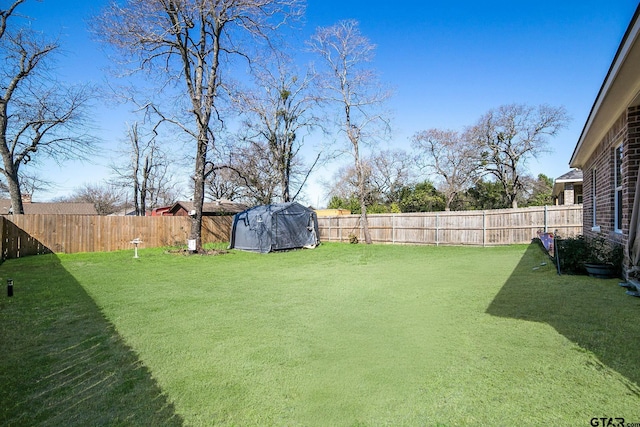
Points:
(36, 234)
(479, 228)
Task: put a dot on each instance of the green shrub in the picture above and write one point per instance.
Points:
(575, 251)
(602, 251)
(572, 252)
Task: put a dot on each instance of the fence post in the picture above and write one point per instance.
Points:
(556, 251)
(437, 229)
(393, 228)
(545, 219)
(484, 228)
(425, 232)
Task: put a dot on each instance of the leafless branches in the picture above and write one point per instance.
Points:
(450, 156)
(354, 90)
(279, 114)
(146, 171)
(508, 136)
(190, 43)
(37, 113)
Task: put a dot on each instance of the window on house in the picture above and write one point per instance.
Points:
(618, 189)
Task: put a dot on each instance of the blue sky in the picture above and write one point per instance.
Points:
(448, 61)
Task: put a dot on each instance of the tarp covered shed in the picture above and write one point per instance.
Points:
(274, 227)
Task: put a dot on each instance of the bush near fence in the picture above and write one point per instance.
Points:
(36, 234)
(478, 228)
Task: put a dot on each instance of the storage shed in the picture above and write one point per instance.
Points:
(275, 227)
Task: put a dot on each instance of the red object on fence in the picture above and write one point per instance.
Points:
(547, 242)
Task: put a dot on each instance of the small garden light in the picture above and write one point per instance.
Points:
(9, 287)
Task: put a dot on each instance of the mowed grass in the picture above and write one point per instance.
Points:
(340, 335)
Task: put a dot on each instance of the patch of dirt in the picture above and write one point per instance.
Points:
(186, 252)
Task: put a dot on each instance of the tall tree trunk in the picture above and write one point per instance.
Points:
(144, 190)
(136, 204)
(10, 169)
(512, 195)
(284, 182)
(448, 201)
(14, 190)
(198, 191)
(364, 222)
(354, 137)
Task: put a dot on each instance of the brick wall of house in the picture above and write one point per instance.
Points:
(632, 161)
(602, 165)
(626, 130)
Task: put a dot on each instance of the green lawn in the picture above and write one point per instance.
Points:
(340, 335)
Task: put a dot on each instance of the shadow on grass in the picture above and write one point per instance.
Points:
(63, 363)
(595, 314)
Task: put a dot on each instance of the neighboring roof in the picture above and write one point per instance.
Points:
(216, 208)
(50, 208)
(124, 212)
(160, 211)
(619, 91)
(573, 176)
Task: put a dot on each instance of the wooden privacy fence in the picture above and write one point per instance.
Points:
(36, 234)
(479, 228)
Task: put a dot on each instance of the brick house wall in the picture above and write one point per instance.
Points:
(626, 130)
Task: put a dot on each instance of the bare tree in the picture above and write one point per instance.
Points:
(280, 113)
(37, 113)
(391, 170)
(345, 185)
(385, 174)
(451, 157)
(257, 173)
(189, 43)
(106, 198)
(355, 91)
(508, 136)
(250, 173)
(147, 171)
(222, 184)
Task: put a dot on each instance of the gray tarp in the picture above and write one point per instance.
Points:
(274, 227)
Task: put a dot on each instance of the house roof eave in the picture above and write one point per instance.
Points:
(619, 91)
